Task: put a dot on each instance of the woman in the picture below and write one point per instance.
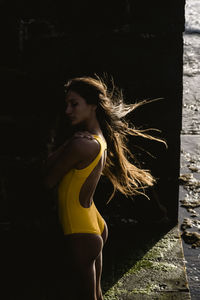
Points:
(98, 146)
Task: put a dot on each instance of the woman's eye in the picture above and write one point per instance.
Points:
(74, 104)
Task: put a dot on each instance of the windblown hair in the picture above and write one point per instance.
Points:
(111, 111)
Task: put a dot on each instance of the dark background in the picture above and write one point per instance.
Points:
(44, 43)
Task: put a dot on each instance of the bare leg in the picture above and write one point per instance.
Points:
(98, 266)
(87, 282)
(85, 249)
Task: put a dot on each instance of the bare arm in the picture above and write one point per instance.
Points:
(53, 157)
(75, 152)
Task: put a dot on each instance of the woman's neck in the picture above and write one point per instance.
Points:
(92, 126)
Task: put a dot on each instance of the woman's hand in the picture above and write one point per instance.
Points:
(84, 134)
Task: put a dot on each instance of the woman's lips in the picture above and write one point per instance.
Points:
(71, 118)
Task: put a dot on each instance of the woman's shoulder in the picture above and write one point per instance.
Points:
(84, 142)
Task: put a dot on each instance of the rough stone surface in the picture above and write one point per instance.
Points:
(160, 274)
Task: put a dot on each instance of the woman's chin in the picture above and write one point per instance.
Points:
(76, 125)
(73, 122)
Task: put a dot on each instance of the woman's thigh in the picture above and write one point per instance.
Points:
(104, 234)
(83, 248)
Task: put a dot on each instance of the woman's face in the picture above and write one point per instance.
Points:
(77, 109)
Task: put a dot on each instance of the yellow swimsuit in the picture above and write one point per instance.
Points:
(75, 218)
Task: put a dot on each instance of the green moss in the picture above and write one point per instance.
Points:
(145, 291)
(116, 292)
(111, 295)
(141, 264)
(154, 265)
(152, 262)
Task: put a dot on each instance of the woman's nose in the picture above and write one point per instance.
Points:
(68, 110)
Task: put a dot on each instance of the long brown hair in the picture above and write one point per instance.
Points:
(111, 111)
